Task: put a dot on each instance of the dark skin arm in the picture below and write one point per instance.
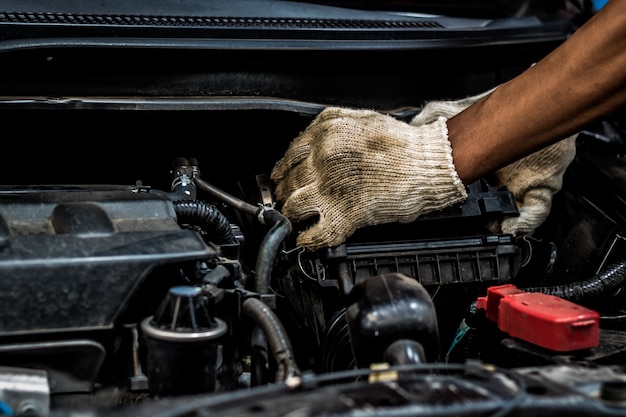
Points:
(580, 82)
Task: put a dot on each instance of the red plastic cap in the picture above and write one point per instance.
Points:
(544, 320)
(495, 295)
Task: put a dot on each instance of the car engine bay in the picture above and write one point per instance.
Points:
(146, 268)
(113, 293)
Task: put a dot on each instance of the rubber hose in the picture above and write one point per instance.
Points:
(206, 216)
(259, 357)
(277, 337)
(606, 281)
(281, 228)
(269, 249)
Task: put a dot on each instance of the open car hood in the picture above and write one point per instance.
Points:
(146, 269)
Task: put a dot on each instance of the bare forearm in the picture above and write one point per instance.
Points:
(581, 81)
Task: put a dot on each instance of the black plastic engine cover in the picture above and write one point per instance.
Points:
(72, 256)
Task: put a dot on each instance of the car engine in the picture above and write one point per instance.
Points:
(118, 294)
(146, 267)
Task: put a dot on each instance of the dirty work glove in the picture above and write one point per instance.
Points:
(354, 168)
(533, 180)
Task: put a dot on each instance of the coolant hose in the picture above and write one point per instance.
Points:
(609, 279)
(281, 228)
(269, 249)
(225, 197)
(259, 357)
(277, 337)
(206, 216)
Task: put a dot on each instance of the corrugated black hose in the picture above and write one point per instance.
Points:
(207, 217)
(608, 280)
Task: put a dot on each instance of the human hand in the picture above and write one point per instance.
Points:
(354, 168)
(534, 180)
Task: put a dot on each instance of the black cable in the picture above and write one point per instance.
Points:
(608, 280)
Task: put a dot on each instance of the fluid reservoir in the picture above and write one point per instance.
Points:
(182, 341)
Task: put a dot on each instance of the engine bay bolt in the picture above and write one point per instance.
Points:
(29, 408)
(614, 391)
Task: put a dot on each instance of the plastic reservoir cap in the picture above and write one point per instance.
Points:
(541, 319)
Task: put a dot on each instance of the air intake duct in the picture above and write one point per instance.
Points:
(388, 308)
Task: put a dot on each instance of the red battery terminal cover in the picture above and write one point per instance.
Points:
(541, 319)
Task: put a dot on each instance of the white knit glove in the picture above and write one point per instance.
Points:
(354, 168)
(533, 180)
